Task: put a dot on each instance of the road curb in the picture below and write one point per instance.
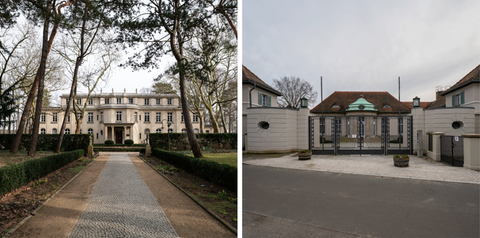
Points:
(230, 227)
(46, 201)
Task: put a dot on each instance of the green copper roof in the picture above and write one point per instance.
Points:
(361, 105)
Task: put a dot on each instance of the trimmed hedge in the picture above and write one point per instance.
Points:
(221, 174)
(48, 142)
(109, 142)
(179, 141)
(113, 149)
(128, 142)
(15, 176)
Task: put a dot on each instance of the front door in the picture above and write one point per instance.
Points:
(118, 137)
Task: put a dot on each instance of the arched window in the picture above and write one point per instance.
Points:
(170, 130)
(159, 130)
(90, 131)
(195, 130)
(184, 130)
(54, 131)
(67, 131)
(42, 131)
(101, 132)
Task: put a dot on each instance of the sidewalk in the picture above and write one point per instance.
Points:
(375, 165)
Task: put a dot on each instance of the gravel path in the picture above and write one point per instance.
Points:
(121, 205)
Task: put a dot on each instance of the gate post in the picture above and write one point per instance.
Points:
(471, 152)
(420, 143)
(436, 152)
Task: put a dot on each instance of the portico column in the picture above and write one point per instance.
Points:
(124, 134)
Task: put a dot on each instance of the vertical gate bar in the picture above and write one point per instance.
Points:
(410, 137)
(453, 145)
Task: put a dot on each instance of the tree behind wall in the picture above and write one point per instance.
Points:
(293, 89)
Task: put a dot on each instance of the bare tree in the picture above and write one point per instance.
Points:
(293, 89)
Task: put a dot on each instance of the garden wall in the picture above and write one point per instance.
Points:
(48, 142)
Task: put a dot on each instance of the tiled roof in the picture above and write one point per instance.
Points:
(344, 98)
(422, 104)
(251, 78)
(473, 75)
(440, 102)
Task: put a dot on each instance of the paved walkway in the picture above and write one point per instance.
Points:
(375, 165)
(121, 205)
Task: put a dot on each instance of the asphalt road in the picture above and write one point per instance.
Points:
(296, 203)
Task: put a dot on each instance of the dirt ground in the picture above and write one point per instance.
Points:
(57, 217)
(205, 191)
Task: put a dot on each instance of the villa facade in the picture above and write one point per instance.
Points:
(121, 116)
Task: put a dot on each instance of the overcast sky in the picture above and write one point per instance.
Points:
(363, 45)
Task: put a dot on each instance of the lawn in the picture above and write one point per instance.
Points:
(221, 158)
(7, 158)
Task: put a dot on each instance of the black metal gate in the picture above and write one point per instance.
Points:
(360, 134)
(452, 150)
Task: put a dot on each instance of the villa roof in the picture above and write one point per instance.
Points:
(339, 101)
(472, 77)
(250, 78)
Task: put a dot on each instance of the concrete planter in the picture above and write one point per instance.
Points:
(305, 155)
(401, 161)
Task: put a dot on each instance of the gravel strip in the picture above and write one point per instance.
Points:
(121, 205)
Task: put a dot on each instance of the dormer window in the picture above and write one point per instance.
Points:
(335, 106)
(387, 106)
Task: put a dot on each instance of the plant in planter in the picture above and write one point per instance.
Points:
(401, 160)
(304, 154)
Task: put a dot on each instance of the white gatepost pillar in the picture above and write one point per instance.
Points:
(471, 151)
(436, 152)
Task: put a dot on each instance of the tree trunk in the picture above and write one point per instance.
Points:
(38, 109)
(222, 118)
(200, 119)
(31, 95)
(192, 139)
(213, 120)
(79, 125)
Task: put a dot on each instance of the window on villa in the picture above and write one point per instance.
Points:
(170, 117)
(68, 117)
(119, 100)
(147, 116)
(54, 131)
(184, 130)
(158, 116)
(182, 118)
(42, 131)
(159, 130)
(119, 115)
(458, 99)
(90, 117)
(170, 130)
(195, 131)
(42, 117)
(147, 101)
(107, 100)
(169, 101)
(130, 101)
(195, 118)
(335, 106)
(101, 116)
(135, 116)
(67, 131)
(79, 101)
(158, 101)
(90, 102)
(54, 117)
(264, 100)
(90, 131)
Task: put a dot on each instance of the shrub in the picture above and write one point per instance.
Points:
(109, 142)
(15, 176)
(221, 174)
(128, 142)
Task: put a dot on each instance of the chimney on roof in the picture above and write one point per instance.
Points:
(439, 90)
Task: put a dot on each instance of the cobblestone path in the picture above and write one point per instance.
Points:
(121, 205)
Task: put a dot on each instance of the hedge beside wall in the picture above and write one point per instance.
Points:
(221, 174)
(179, 141)
(48, 142)
(15, 176)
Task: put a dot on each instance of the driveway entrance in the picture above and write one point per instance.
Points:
(452, 150)
(360, 135)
